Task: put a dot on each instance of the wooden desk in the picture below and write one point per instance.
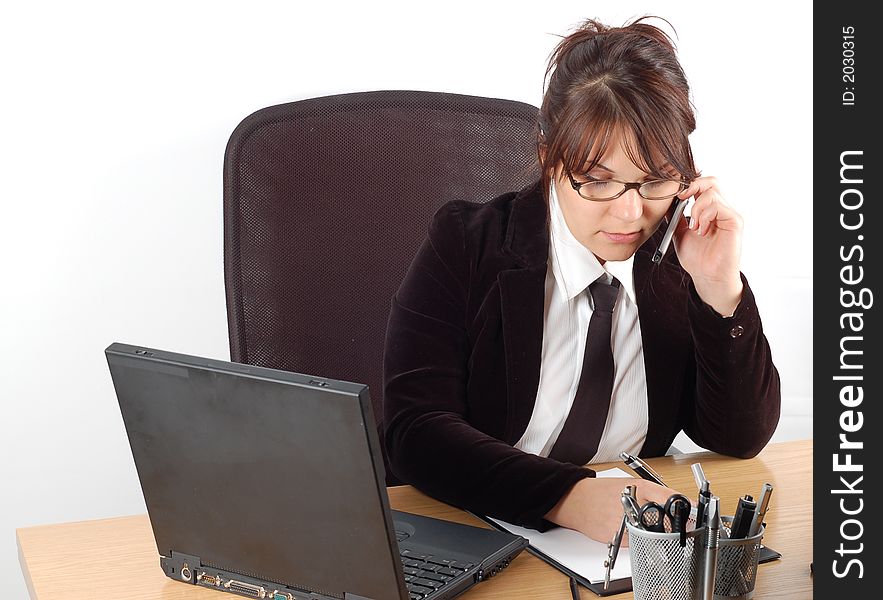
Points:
(80, 561)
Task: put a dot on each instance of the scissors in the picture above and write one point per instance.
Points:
(652, 517)
(677, 509)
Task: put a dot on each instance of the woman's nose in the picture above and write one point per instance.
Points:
(628, 207)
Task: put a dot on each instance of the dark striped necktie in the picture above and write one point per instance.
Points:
(578, 441)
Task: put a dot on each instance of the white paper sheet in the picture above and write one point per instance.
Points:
(574, 550)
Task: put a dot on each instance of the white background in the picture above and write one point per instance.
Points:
(114, 122)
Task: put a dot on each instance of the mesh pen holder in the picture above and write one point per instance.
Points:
(736, 565)
(663, 570)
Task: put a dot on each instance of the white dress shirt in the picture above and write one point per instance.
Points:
(568, 309)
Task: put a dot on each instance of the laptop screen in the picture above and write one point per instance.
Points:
(267, 473)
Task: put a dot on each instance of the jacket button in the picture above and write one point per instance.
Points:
(736, 331)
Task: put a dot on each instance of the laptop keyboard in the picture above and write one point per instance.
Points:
(425, 574)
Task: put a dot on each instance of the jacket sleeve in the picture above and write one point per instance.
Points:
(429, 440)
(737, 396)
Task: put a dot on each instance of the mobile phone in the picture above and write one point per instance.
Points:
(670, 231)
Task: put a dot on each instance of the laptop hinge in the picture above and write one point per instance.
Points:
(348, 596)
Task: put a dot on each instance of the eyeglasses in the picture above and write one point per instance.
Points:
(611, 189)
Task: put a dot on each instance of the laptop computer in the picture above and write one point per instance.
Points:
(270, 484)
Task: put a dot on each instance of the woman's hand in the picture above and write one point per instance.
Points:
(593, 505)
(709, 247)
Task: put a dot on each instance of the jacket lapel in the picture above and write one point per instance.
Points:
(665, 337)
(522, 292)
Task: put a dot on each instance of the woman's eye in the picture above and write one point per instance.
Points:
(591, 178)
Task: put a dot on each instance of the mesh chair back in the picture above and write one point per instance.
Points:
(326, 201)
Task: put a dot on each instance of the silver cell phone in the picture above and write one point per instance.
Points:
(670, 231)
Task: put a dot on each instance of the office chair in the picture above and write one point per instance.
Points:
(327, 200)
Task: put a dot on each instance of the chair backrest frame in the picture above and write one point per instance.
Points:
(376, 165)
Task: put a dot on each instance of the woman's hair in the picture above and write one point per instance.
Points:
(611, 83)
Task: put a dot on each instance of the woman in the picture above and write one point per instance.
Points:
(533, 334)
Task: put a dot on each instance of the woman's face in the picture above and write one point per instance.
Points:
(615, 229)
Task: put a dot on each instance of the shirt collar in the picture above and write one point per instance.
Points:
(574, 265)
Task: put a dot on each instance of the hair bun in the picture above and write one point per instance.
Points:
(608, 82)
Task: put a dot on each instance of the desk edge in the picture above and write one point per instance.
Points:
(25, 571)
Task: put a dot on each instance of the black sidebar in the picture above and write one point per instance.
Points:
(848, 227)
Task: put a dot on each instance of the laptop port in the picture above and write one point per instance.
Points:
(186, 573)
(277, 595)
(246, 589)
(206, 579)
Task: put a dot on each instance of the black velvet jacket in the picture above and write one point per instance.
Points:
(462, 362)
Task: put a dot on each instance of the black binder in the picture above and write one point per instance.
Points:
(617, 586)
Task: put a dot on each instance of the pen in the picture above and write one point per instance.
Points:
(641, 468)
(711, 544)
(760, 513)
(574, 589)
(672, 225)
(704, 493)
(742, 520)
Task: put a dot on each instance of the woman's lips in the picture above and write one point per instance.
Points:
(622, 238)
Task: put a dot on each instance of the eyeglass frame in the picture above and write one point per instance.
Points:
(633, 185)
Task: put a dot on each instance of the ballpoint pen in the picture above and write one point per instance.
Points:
(574, 589)
(641, 468)
(762, 506)
(711, 544)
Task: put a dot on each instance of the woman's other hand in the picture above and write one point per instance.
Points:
(593, 505)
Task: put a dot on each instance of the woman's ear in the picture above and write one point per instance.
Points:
(541, 151)
(555, 172)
